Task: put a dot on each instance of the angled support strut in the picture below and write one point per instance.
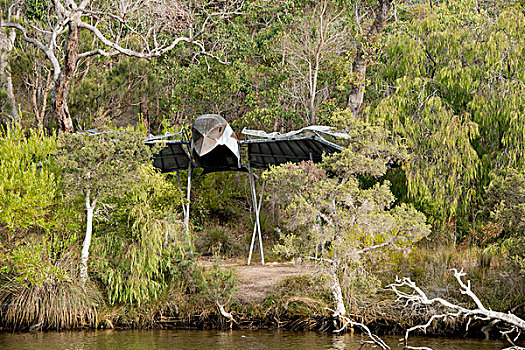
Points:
(257, 209)
(186, 208)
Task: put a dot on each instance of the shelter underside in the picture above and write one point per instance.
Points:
(262, 153)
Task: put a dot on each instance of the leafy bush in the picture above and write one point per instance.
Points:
(28, 185)
(140, 245)
(218, 284)
(28, 264)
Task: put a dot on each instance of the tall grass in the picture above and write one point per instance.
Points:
(48, 305)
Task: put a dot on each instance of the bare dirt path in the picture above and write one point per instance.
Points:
(256, 280)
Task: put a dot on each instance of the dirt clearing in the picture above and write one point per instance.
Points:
(256, 280)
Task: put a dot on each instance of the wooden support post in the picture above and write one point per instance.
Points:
(257, 208)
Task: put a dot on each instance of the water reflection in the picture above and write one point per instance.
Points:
(339, 342)
(217, 340)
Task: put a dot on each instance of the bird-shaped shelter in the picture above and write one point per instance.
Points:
(213, 146)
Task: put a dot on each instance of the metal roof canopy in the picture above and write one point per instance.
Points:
(308, 143)
(263, 150)
(264, 153)
(174, 155)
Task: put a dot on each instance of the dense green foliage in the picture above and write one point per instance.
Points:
(457, 100)
(436, 154)
(37, 231)
(104, 164)
(142, 237)
(27, 184)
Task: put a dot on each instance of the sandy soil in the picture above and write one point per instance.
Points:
(256, 280)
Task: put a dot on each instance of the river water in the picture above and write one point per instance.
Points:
(195, 339)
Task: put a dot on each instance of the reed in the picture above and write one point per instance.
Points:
(48, 305)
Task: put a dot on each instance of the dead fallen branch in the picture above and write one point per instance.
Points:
(226, 314)
(349, 322)
(416, 295)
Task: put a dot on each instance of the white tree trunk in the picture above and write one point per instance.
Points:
(11, 96)
(7, 43)
(87, 239)
(335, 288)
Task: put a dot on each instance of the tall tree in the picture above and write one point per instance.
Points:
(337, 220)
(362, 56)
(7, 42)
(96, 166)
(33, 78)
(314, 40)
(457, 96)
(67, 31)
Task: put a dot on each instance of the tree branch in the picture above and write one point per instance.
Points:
(98, 52)
(348, 322)
(481, 312)
(49, 54)
(153, 53)
(224, 313)
(330, 261)
(120, 20)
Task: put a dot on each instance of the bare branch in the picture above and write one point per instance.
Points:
(158, 51)
(224, 313)
(357, 18)
(330, 261)
(215, 17)
(60, 8)
(454, 311)
(349, 322)
(373, 247)
(207, 54)
(98, 52)
(49, 53)
(121, 21)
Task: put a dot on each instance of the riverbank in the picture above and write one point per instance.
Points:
(290, 297)
(297, 297)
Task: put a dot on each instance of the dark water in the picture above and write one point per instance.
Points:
(193, 340)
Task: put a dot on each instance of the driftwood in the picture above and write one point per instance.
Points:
(226, 314)
(347, 322)
(517, 325)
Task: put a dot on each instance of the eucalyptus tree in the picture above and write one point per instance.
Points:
(370, 22)
(32, 83)
(329, 46)
(10, 106)
(314, 40)
(67, 31)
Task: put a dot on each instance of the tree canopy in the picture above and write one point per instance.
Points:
(431, 94)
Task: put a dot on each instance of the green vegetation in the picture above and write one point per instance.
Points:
(432, 177)
(27, 185)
